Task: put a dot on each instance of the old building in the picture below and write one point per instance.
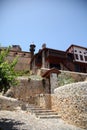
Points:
(80, 57)
(73, 59)
(24, 58)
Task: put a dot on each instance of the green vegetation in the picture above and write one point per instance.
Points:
(7, 73)
(35, 77)
(65, 78)
(24, 73)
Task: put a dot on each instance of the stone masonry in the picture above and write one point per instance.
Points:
(28, 89)
(70, 101)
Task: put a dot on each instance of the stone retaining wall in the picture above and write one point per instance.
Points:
(9, 103)
(75, 75)
(28, 89)
(70, 101)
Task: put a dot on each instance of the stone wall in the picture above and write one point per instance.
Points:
(9, 103)
(28, 89)
(75, 75)
(70, 101)
(44, 101)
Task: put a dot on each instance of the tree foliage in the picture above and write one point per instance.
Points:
(7, 73)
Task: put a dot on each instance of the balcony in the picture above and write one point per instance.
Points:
(56, 54)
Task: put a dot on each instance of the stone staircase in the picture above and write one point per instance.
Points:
(41, 112)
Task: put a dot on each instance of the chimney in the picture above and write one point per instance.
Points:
(32, 49)
(44, 45)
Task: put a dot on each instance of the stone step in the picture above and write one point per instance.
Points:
(35, 108)
(46, 113)
(42, 112)
(32, 106)
(47, 116)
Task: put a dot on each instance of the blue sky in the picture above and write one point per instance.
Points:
(58, 23)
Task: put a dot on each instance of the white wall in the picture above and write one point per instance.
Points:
(80, 51)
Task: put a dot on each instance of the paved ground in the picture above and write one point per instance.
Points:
(22, 120)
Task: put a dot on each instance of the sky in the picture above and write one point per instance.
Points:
(58, 23)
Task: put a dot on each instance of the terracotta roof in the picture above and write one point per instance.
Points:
(48, 72)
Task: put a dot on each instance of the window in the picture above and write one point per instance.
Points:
(80, 52)
(85, 52)
(81, 57)
(85, 58)
(76, 56)
(15, 53)
(75, 50)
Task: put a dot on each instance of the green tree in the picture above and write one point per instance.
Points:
(7, 73)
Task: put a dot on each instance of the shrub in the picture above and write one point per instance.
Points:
(7, 72)
(64, 78)
(24, 73)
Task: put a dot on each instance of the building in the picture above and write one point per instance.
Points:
(80, 57)
(73, 59)
(24, 58)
